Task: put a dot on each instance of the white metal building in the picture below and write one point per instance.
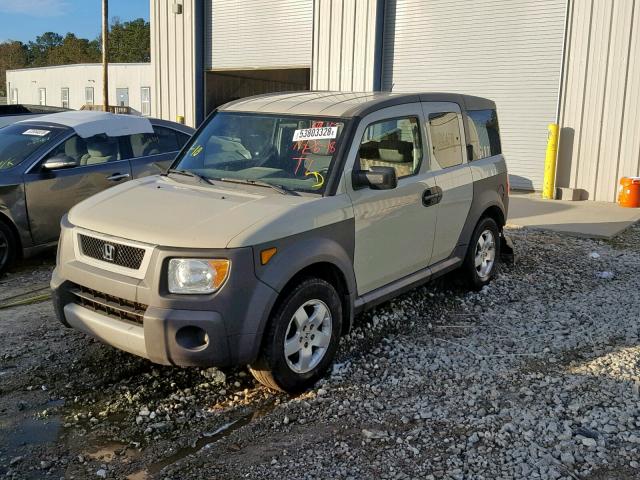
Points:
(72, 86)
(542, 61)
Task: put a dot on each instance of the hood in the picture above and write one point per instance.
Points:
(162, 211)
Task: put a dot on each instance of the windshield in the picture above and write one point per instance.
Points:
(17, 142)
(292, 152)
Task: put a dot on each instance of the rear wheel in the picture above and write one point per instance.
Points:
(8, 247)
(301, 339)
(483, 254)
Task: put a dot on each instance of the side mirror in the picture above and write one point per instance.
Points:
(378, 178)
(59, 162)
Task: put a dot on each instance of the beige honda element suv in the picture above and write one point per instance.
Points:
(283, 217)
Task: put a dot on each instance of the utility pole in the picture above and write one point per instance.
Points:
(105, 55)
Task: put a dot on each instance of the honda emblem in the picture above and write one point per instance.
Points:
(108, 252)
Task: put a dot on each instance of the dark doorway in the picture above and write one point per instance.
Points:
(224, 86)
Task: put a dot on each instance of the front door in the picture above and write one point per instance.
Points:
(122, 94)
(51, 193)
(394, 229)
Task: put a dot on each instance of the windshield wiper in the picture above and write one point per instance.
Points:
(278, 188)
(188, 173)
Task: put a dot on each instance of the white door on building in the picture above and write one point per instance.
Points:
(145, 101)
(88, 96)
(510, 52)
(42, 96)
(64, 97)
(122, 94)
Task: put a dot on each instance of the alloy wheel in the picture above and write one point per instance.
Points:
(308, 336)
(485, 254)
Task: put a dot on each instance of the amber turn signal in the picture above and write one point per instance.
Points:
(265, 255)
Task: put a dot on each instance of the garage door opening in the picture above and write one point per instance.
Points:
(224, 86)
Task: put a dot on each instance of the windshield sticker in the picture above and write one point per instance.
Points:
(34, 132)
(322, 133)
(196, 151)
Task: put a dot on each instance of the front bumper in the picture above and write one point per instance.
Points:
(221, 329)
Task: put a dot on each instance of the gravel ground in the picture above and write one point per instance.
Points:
(536, 376)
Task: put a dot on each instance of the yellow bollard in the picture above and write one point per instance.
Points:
(180, 119)
(548, 190)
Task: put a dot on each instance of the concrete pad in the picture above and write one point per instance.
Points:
(583, 218)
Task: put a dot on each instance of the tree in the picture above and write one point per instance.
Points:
(12, 55)
(38, 51)
(73, 50)
(130, 42)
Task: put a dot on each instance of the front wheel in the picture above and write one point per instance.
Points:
(7, 247)
(483, 254)
(301, 339)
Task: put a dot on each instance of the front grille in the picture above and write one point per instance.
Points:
(111, 252)
(108, 304)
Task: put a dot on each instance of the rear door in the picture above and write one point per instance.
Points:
(444, 128)
(154, 153)
(51, 193)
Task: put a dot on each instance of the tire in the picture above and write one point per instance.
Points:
(483, 255)
(309, 319)
(8, 247)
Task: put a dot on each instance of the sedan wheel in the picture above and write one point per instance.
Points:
(7, 247)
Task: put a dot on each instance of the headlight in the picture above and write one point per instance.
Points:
(194, 275)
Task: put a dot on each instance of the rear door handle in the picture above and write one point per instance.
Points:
(116, 177)
(431, 196)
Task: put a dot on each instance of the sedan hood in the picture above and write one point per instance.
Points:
(163, 211)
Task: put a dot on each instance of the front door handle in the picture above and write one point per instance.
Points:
(116, 177)
(431, 196)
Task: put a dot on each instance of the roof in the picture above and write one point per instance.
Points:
(81, 65)
(89, 123)
(342, 104)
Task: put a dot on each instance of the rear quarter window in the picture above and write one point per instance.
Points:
(484, 134)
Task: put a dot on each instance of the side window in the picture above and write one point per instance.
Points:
(87, 151)
(163, 140)
(392, 143)
(446, 141)
(484, 134)
(183, 138)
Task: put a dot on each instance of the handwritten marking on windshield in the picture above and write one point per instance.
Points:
(319, 178)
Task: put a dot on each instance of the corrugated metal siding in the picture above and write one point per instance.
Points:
(172, 57)
(507, 50)
(344, 45)
(258, 34)
(600, 135)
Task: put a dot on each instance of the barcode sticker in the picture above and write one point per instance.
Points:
(321, 133)
(36, 133)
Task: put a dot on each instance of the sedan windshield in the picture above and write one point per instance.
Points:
(290, 152)
(17, 142)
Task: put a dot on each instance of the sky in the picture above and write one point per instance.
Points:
(25, 19)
